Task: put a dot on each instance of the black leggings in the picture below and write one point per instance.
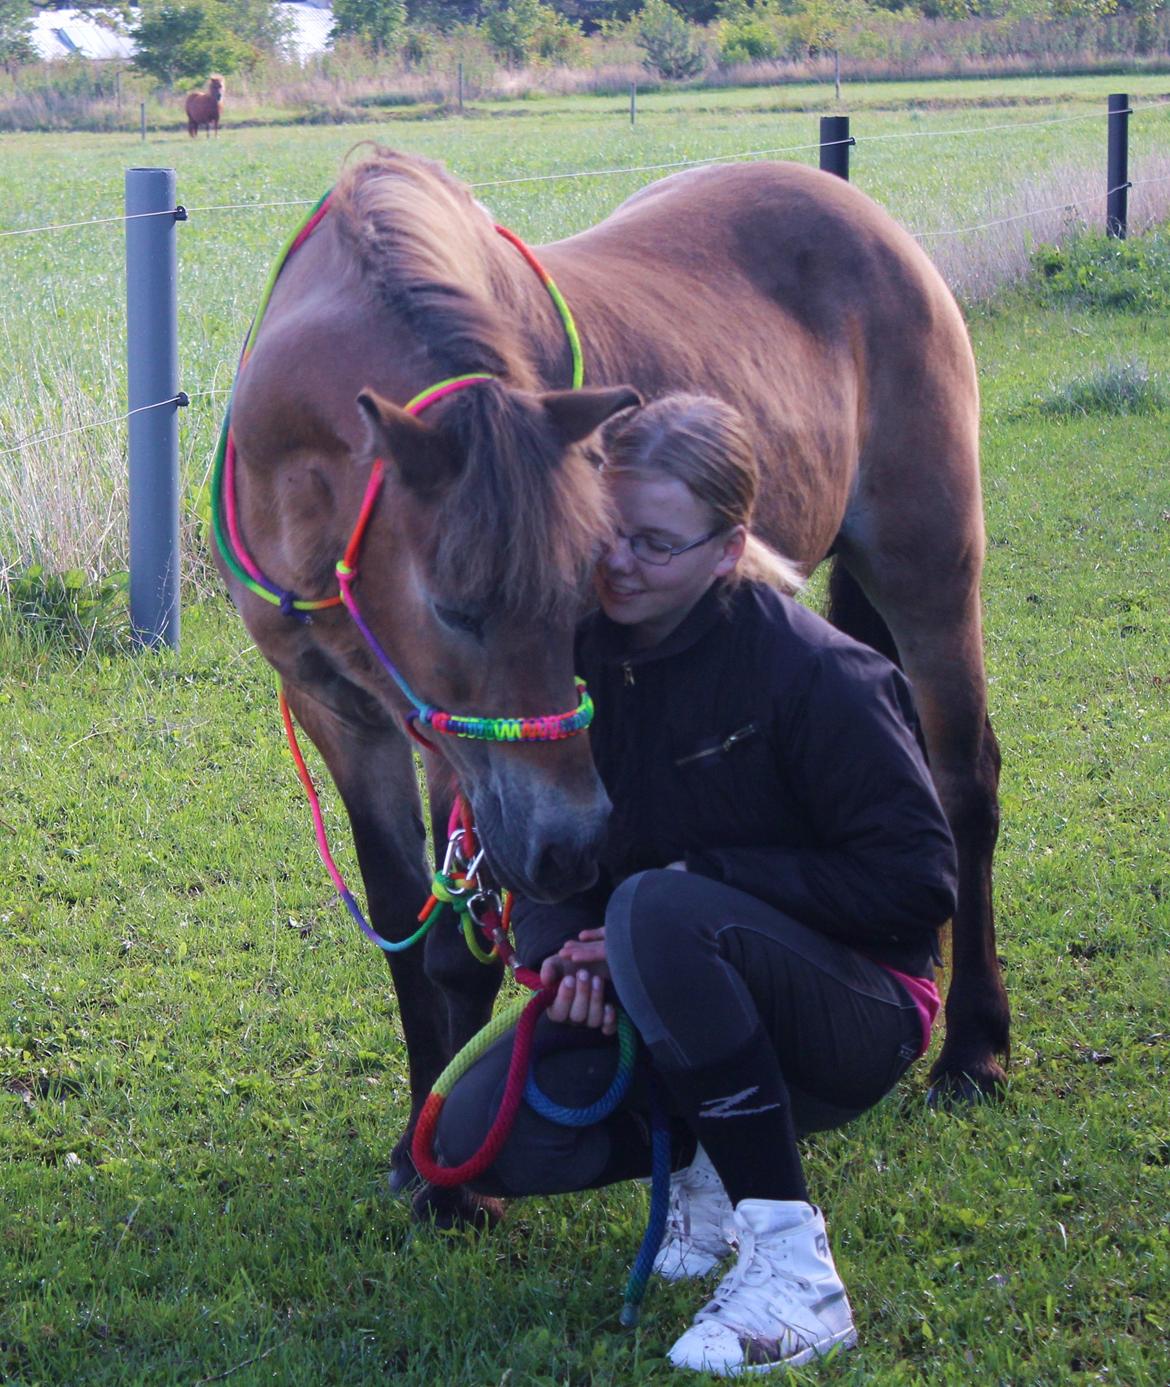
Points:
(700, 968)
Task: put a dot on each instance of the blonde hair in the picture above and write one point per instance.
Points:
(703, 443)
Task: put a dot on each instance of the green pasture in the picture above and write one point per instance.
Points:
(937, 166)
(200, 1067)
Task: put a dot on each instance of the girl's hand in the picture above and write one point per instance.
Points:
(580, 996)
(588, 948)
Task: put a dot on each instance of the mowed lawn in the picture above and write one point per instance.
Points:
(201, 1068)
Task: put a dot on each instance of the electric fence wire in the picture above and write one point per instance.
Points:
(643, 168)
(1070, 206)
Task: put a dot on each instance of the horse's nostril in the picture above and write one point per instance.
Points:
(561, 867)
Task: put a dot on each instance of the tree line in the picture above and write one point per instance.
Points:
(181, 39)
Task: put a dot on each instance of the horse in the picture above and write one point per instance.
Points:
(783, 290)
(203, 107)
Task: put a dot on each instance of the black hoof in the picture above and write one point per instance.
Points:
(403, 1179)
(456, 1208)
(965, 1088)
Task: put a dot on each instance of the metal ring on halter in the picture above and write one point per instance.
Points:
(471, 871)
(479, 905)
(454, 854)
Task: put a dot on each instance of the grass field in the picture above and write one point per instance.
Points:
(201, 1067)
(947, 162)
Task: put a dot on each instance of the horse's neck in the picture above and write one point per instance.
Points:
(533, 319)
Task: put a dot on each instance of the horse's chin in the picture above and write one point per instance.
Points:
(550, 891)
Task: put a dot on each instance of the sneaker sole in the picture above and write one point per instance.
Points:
(847, 1338)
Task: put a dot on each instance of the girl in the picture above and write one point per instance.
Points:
(776, 871)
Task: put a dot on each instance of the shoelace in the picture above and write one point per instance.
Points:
(737, 1301)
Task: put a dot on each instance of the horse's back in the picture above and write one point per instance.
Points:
(796, 297)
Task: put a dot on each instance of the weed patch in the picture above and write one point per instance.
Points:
(1097, 271)
(1121, 387)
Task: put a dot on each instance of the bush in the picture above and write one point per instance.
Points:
(668, 41)
(522, 30)
(190, 38)
(1100, 272)
(747, 35)
(376, 24)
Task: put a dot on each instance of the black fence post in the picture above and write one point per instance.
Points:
(835, 142)
(1117, 186)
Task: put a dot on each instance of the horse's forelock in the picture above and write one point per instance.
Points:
(522, 522)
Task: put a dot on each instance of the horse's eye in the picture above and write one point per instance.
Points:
(466, 622)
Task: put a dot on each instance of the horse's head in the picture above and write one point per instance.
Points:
(215, 87)
(474, 575)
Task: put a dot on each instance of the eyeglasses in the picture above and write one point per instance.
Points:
(647, 549)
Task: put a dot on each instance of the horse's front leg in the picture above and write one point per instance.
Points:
(373, 769)
(467, 988)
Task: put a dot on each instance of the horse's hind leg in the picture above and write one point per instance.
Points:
(915, 547)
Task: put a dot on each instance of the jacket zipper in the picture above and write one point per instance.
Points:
(739, 735)
(627, 673)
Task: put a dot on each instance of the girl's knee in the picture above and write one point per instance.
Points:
(650, 918)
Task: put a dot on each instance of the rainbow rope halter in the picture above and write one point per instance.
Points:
(458, 882)
(230, 542)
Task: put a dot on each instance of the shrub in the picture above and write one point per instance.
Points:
(190, 38)
(747, 39)
(668, 42)
(1101, 272)
(376, 24)
(521, 30)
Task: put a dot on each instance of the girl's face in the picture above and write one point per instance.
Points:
(653, 598)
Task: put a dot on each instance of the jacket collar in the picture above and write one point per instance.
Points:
(611, 640)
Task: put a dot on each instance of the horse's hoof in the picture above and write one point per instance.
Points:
(456, 1208)
(964, 1088)
(402, 1178)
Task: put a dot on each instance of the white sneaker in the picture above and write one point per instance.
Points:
(780, 1305)
(698, 1223)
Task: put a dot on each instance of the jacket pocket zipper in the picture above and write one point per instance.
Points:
(739, 735)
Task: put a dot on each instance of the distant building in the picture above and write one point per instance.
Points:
(75, 33)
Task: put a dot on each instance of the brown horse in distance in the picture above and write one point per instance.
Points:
(782, 289)
(203, 107)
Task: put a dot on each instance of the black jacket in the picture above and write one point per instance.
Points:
(769, 751)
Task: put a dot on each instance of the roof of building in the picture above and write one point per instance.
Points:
(69, 33)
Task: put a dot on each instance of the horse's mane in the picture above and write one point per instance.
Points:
(522, 521)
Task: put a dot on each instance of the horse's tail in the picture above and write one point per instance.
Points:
(852, 612)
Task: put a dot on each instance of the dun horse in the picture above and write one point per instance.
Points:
(785, 291)
(203, 107)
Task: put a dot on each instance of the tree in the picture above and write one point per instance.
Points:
(520, 30)
(377, 24)
(16, 44)
(190, 38)
(667, 40)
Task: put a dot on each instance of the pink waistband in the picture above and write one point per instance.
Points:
(924, 994)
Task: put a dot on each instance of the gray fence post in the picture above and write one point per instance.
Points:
(835, 142)
(633, 103)
(1117, 183)
(152, 339)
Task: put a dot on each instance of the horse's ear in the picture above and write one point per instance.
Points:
(423, 457)
(577, 413)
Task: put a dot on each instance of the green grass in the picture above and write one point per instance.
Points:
(201, 1072)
